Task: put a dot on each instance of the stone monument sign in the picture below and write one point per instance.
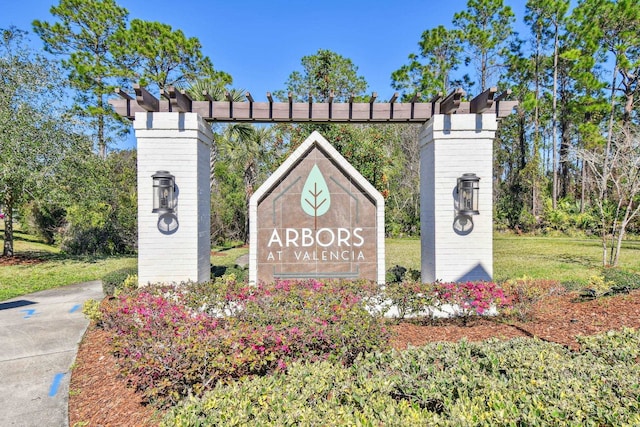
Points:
(316, 217)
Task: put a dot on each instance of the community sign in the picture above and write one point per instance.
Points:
(316, 217)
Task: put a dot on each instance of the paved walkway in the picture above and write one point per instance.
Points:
(39, 337)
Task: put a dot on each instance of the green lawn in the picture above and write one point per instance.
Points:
(561, 258)
(53, 269)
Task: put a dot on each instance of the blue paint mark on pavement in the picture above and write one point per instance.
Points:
(30, 312)
(75, 308)
(55, 385)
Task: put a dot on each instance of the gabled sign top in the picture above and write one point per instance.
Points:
(316, 217)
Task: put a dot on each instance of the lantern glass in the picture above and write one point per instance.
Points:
(468, 191)
(163, 192)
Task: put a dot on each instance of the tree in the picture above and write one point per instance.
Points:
(158, 55)
(485, 27)
(216, 88)
(617, 180)
(246, 149)
(35, 137)
(546, 19)
(324, 74)
(100, 202)
(401, 180)
(615, 28)
(429, 72)
(367, 147)
(606, 32)
(85, 34)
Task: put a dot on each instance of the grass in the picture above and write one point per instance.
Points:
(565, 259)
(223, 260)
(53, 269)
(568, 260)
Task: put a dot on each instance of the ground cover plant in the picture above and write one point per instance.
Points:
(517, 382)
(552, 313)
(175, 341)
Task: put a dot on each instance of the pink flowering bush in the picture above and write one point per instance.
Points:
(176, 341)
(471, 298)
(412, 298)
(524, 293)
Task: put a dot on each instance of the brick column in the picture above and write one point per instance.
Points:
(452, 248)
(174, 248)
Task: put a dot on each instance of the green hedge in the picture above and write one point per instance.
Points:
(114, 280)
(496, 383)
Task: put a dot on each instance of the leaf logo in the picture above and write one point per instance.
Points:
(315, 199)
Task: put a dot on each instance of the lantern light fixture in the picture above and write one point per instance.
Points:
(468, 190)
(163, 192)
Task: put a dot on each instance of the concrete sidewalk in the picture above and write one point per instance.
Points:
(39, 337)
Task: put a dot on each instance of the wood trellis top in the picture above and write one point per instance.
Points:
(273, 112)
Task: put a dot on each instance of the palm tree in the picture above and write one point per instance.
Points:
(216, 89)
(246, 148)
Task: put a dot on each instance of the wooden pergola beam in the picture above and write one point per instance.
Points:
(179, 100)
(435, 103)
(252, 111)
(208, 96)
(483, 102)
(503, 95)
(452, 102)
(123, 94)
(145, 100)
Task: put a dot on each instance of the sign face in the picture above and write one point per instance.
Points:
(316, 217)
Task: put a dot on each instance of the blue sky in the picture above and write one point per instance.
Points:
(261, 42)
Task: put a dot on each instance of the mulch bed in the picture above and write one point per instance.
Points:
(100, 396)
(6, 261)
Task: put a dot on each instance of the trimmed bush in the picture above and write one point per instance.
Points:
(115, 280)
(175, 341)
(470, 298)
(320, 394)
(525, 292)
(496, 383)
(411, 298)
(613, 347)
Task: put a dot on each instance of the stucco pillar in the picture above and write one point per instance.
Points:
(174, 247)
(452, 247)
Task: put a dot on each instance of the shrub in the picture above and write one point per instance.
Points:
(320, 394)
(130, 283)
(598, 287)
(399, 273)
(174, 341)
(613, 347)
(519, 382)
(91, 309)
(621, 279)
(411, 298)
(116, 279)
(469, 298)
(524, 293)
